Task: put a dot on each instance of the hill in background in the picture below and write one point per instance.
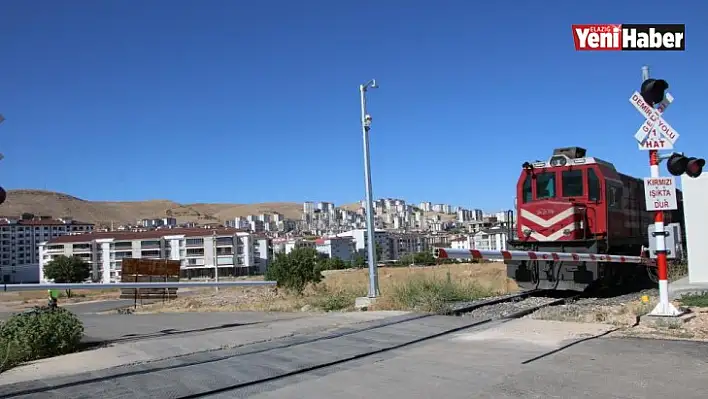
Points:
(55, 204)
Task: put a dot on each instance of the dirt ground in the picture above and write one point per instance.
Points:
(21, 300)
(337, 291)
(625, 313)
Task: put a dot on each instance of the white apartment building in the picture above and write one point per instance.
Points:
(336, 247)
(287, 245)
(158, 222)
(493, 239)
(466, 242)
(19, 240)
(381, 237)
(234, 252)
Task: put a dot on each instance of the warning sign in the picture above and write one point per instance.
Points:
(660, 193)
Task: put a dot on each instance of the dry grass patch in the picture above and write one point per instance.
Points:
(402, 288)
(12, 301)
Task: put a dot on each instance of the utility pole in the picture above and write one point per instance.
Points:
(3, 193)
(370, 228)
(216, 262)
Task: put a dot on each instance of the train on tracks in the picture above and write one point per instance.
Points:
(579, 204)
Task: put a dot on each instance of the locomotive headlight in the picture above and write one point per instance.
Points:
(558, 161)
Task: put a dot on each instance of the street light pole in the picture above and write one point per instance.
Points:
(371, 241)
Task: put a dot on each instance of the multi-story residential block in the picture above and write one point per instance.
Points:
(287, 245)
(239, 222)
(336, 247)
(381, 237)
(158, 222)
(493, 239)
(234, 252)
(19, 240)
(465, 242)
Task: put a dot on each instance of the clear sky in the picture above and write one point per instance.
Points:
(251, 101)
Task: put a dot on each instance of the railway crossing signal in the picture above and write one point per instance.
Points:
(652, 91)
(678, 164)
(655, 133)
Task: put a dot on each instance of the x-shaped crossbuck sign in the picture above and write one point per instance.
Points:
(654, 123)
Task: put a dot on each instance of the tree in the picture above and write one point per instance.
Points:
(424, 258)
(334, 264)
(294, 271)
(64, 269)
(358, 261)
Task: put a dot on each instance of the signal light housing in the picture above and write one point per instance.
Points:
(3, 195)
(653, 91)
(678, 164)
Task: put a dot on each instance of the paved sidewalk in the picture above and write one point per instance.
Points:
(170, 346)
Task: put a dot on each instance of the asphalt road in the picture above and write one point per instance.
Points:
(125, 328)
(523, 362)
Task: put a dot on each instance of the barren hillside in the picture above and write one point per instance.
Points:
(55, 204)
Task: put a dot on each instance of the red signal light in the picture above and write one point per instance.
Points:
(678, 164)
(694, 168)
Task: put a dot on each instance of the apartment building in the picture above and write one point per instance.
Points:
(234, 252)
(494, 239)
(336, 247)
(381, 237)
(19, 240)
(287, 245)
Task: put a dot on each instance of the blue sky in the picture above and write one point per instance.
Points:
(236, 101)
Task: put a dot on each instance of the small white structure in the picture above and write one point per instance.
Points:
(695, 191)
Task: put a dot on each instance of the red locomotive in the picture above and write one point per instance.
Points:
(574, 203)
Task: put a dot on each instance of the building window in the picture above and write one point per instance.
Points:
(572, 183)
(195, 241)
(195, 252)
(545, 185)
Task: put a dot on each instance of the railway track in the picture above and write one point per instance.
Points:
(427, 326)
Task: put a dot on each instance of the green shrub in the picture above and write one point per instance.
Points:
(429, 294)
(295, 270)
(329, 300)
(694, 300)
(39, 333)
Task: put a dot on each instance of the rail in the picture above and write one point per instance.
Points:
(453, 253)
(103, 286)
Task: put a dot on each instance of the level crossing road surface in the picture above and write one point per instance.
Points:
(522, 358)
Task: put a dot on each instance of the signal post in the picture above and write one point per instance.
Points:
(660, 192)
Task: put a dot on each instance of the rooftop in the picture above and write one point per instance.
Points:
(142, 235)
(40, 221)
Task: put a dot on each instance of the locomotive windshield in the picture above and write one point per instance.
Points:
(545, 185)
(572, 183)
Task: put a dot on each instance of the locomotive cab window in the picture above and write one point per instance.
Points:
(593, 186)
(545, 185)
(527, 194)
(572, 183)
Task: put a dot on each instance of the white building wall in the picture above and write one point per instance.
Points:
(105, 245)
(695, 191)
